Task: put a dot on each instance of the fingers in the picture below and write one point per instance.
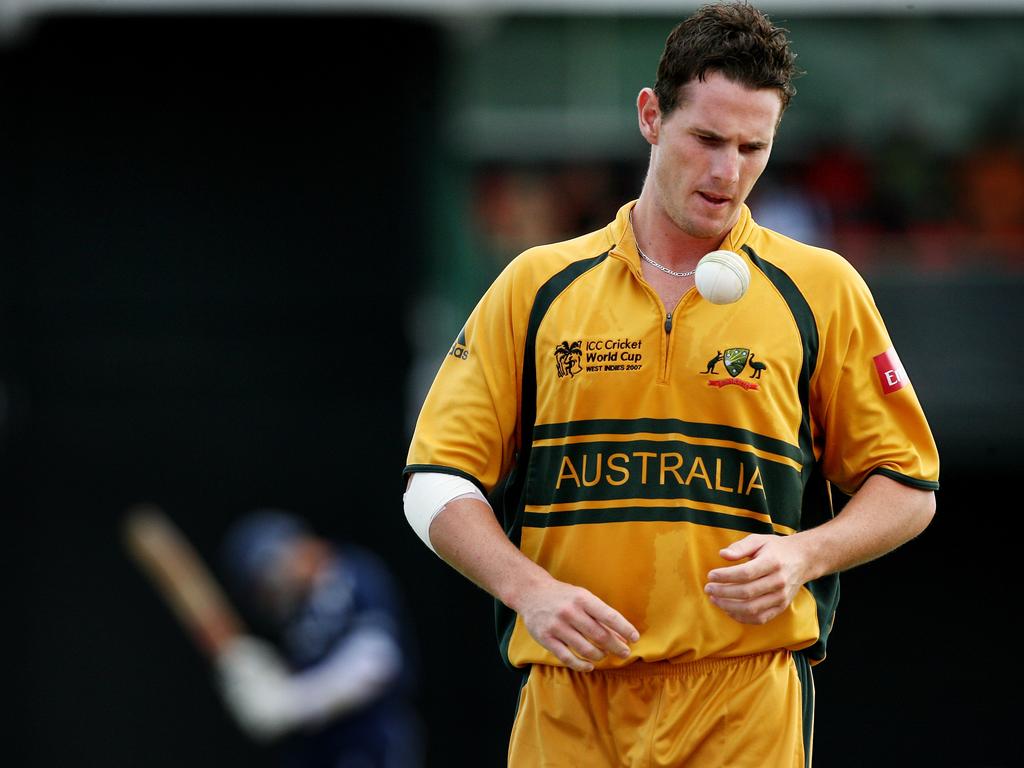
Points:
(581, 646)
(748, 546)
(595, 629)
(578, 628)
(572, 648)
(606, 639)
(758, 590)
(757, 611)
(611, 619)
(771, 582)
(562, 652)
(754, 546)
(745, 572)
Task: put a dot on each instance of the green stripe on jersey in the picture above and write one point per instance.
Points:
(443, 470)
(806, 678)
(816, 507)
(509, 498)
(913, 482)
(646, 515)
(808, 329)
(665, 427)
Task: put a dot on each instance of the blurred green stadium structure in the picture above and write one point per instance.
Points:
(557, 88)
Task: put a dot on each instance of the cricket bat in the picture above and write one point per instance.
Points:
(163, 553)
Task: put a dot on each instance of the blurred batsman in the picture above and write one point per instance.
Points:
(632, 444)
(335, 688)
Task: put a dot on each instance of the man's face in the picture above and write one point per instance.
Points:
(288, 579)
(709, 152)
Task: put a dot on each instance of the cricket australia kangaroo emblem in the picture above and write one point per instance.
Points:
(735, 360)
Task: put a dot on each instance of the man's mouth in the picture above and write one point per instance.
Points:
(714, 199)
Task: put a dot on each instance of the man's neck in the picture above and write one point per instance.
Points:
(661, 239)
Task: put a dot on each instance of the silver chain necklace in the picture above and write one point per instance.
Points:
(664, 269)
(651, 261)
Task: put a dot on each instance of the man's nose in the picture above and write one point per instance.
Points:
(726, 166)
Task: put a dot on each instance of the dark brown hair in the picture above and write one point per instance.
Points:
(734, 39)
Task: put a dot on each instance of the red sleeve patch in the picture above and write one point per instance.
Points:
(891, 373)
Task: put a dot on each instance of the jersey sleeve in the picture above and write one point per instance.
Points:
(867, 416)
(468, 423)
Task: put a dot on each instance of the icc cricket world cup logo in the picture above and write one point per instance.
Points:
(568, 358)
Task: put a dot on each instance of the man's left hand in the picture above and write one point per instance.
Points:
(758, 590)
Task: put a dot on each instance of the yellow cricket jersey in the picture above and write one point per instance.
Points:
(624, 446)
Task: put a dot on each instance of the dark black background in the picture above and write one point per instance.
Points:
(210, 230)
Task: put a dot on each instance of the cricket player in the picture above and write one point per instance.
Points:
(658, 530)
(335, 689)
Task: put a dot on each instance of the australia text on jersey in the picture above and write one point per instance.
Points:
(661, 468)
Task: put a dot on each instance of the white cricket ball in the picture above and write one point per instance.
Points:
(722, 277)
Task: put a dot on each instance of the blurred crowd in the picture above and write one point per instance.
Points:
(899, 205)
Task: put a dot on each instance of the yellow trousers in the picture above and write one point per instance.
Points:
(745, 712)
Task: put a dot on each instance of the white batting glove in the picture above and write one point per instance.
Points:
(256, 686)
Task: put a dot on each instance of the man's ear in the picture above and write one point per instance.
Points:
(648, 113)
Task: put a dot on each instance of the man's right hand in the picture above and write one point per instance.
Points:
(573, 624)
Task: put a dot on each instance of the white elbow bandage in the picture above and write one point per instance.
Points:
(427, 495)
